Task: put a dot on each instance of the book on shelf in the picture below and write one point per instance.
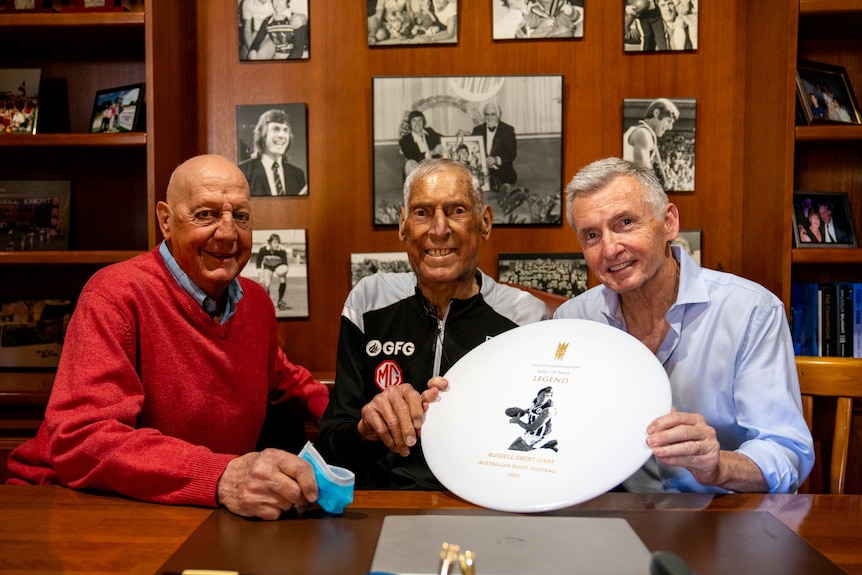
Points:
(826, 319)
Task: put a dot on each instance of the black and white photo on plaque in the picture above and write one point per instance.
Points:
(366, 264)
(32, 332)
(660, 133)
(412, 22)
(118, 110)
(537, 19)
(272, 148)
(279, 262)
(822, 220)
(659, 25)
(34, 215)
(824, 94)
(273, 29)
(515, 121)
(19, 100)
(690, 241)
(562, 274)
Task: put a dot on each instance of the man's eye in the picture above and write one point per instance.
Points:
(206, 215)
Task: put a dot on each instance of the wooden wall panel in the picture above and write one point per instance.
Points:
(336, 85)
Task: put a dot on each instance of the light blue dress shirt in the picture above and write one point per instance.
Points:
(234, 290)
(729, 356)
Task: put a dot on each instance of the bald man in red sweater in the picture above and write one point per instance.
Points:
(169, 363)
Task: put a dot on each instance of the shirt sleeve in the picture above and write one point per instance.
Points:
(340, 442)
(769, 405)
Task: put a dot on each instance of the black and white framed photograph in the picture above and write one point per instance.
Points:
(562, 274)
(822, 220)
(19, 100)
(825, 94)
(412, 22)
(659, 25)
(272, 148)
(470, 151)
(518, 119)
(366, 264)
(660, 133)
(537, 19)
(118, 110)
(32, 332)
(690, 241)
(273, 29)
(279, 262)
(34, 215)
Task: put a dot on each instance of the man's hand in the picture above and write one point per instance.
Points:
(396, 414)
(265, 484)
(686, 440)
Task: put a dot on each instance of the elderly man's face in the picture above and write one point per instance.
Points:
(442, 230)
(277, 139)
(492, 116)
(207, 222)
(623, 241)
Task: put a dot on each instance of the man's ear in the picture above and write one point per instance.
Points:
(487, 221)
(163, 213)
(402, 216)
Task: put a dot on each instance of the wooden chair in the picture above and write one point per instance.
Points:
(839, 378)
(552, 301)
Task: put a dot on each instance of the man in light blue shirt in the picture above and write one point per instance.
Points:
(736, 423)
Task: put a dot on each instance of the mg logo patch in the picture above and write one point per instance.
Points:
(388, 374)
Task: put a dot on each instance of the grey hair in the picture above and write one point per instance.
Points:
(598, 175)
(435, 165)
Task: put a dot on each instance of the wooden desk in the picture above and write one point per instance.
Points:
(54, 530)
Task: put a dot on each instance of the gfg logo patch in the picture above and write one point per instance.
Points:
(388, 374)
(376, 347)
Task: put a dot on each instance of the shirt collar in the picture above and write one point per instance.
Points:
(691, 289)
(234, 290)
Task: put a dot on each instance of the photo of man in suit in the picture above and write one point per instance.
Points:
(501, 145)
(267, 170)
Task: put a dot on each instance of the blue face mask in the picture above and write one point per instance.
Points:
(334, 484)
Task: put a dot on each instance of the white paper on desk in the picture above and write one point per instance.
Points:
(605, 388)
(511, 544)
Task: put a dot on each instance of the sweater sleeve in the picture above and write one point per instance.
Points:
(90, 439)
(292, 381)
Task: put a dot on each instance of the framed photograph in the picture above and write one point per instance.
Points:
(659, 25)
(522, 20)
(556, 273)
(690, 241)
(34, 215)
(412, 22)
(118, 110)
(518, 120)
(19, 100)
(32, 332)
(362, 265)
(273, 29)
(822, 220)
(95, 6)
(470, 151)
(825, 95)
(26, 5)
(279, 262)
(660, 133)
(272, 148)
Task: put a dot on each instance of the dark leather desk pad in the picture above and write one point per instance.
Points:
(710, 541)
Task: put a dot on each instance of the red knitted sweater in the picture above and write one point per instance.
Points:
(152, 397)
